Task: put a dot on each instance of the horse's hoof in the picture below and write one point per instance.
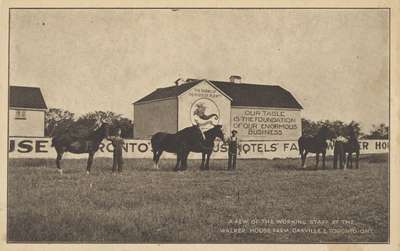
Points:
(87, 172)
(60, 171)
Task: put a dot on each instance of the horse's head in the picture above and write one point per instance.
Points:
(103, 127)
(216, 132)
(351, 133)
(325, 134)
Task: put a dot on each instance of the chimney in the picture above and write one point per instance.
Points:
(235, 79)
(179, 81)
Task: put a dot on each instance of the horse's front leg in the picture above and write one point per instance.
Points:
(335, 157)
(158, 155)
(323, 159)
(184, 160)
(155, 158)
(178, 160)
(203, 156)
(342, 159)
(350, 160)
(58, 159)
(316, 160)
(304, 156)
(89, 162)
(357, 158)
(208, 161)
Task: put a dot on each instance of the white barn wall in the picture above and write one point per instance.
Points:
(32, 126)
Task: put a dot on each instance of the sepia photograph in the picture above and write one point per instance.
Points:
(198, 125)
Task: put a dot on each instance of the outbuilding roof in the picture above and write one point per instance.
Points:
(26, 97)
(243, 94)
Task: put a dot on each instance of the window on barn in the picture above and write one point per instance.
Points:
(20, 114)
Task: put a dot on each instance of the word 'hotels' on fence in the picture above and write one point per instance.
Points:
(41, 148)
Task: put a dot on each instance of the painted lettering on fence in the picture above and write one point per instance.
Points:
(41, 148)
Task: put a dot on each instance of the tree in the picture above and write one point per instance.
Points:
(125, 124)
(378, 132)
(337, 127)
(90, 118)
(309, 127)
(55, 117)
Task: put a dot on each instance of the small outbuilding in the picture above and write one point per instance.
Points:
(256, 111)
(26, 112)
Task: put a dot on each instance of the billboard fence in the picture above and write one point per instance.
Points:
(133, 148)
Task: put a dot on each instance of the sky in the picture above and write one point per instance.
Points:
(334, 61)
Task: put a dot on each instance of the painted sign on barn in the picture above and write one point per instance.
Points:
(204, 105)
(266, 124)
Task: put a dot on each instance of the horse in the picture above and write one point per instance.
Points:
(346, 146)
(314, 144)
(189, 139)
(78, 144)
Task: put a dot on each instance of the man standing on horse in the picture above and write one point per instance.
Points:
(233, 150)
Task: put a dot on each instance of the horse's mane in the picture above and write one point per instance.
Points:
(209, 131)
(187, 130)
(194, 129)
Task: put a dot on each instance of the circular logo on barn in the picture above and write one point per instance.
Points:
(205, 113)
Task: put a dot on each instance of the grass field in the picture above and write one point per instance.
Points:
(144, 205)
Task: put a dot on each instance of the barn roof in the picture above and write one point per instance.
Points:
(26, 97)
(244, 94)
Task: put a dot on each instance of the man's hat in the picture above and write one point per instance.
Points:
(234, 131)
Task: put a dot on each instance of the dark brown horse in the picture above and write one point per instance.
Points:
(346, 147)
(314, 144)
(189, 139)
(78, 144)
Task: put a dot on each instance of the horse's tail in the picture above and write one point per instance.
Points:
(53, 142)
(156, 141)
(301, 145)
(156, 144)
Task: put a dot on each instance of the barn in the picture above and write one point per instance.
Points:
(256, 111)
(26, 112)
